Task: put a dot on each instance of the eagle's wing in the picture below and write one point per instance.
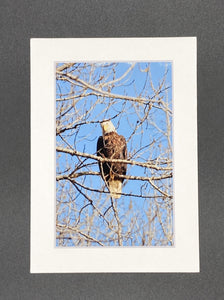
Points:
(100, 146)
(104, 167)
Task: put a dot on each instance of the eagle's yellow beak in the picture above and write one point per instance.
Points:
(105, 127)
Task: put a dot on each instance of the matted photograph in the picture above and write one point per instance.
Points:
(114, 185)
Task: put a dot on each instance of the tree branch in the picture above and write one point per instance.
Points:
(69, 228)
(99, 158)
(107, 192)
(105, 93)
(130, 177)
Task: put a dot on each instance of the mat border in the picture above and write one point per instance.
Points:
(45, 258)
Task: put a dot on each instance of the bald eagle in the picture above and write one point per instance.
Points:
(112, 145)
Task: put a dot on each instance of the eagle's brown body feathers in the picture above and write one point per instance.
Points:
(112, 145)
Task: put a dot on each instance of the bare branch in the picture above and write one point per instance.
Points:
(105, 93)
(64, 66)
(129, 177)
(98, 158)
(76, 230)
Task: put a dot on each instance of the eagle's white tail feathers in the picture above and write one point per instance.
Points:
(115, 186)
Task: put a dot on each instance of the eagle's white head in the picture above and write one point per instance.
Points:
(107, 126)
